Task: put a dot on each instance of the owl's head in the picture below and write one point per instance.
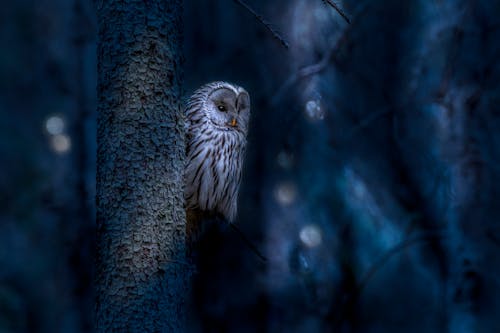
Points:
(226, 106)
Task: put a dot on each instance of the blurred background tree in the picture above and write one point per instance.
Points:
(370, 180)
(47, 104)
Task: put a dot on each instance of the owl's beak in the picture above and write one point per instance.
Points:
(233, 122)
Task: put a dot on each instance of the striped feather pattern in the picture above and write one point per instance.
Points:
(214, 154)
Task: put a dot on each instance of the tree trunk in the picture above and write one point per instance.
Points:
(142, 277)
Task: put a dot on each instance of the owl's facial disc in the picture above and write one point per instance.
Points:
(222, 102)
(228, 109)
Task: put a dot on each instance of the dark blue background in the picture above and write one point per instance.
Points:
(370, 182)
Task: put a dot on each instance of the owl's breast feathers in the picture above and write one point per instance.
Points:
(216, 126)
(213, 173)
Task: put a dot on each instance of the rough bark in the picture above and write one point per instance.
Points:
(141, 276)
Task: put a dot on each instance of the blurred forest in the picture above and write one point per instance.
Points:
(370, 178)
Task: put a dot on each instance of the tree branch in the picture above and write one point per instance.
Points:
(261, 19)
(337, 8)
(323, 63)
(425, 237)
(309, 70)
(248, 242)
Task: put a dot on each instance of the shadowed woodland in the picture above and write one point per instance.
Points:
(369, 185)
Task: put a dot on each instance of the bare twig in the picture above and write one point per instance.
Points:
(367, 121)
(338, 9)
(395, 250)
(495, 239)
(309, 70)
(264, 22)
(248, 242)
(179, 262)
(323, 63)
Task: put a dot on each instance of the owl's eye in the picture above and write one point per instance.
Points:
(222, 108)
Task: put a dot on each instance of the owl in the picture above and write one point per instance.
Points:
(217, 117)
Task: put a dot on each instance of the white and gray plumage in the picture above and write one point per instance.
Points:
(217, 117)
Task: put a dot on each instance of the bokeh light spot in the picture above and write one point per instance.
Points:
(285, 193)
(314, 111)
(310, 235)
(61, 143)
(54, 125)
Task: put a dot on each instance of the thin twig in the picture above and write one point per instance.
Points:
(367, 121)
(393, 251)
(264, 22)
(493, 237)
(247, 241)
(322, 64)
(179, 262)
(337, 8)
(309, 70)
